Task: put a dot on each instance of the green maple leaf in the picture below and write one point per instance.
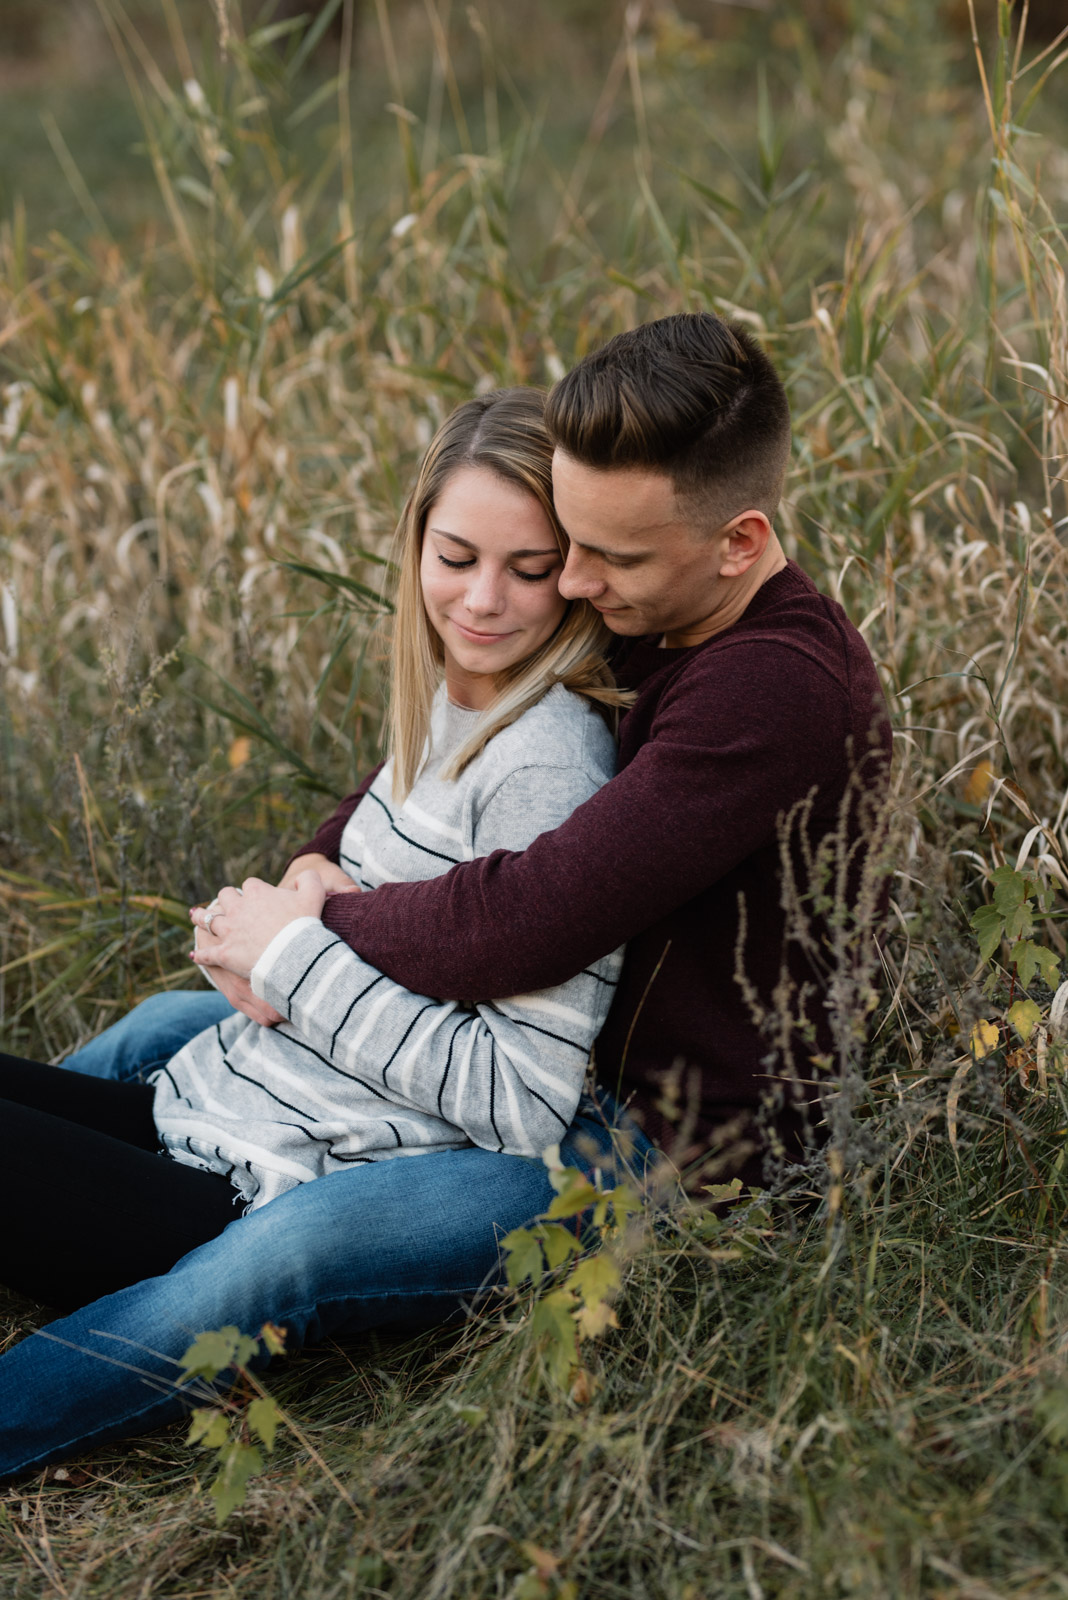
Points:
(1010, 889)
(523, 1251)
(237, 1465)
(211, 1353)
(623, 1202)
(554, 1323)
(209, 1428)
(557, 1243)
(1019, 922)
(1031, 958)
(989, 926)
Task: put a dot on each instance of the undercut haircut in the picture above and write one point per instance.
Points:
(690, 396)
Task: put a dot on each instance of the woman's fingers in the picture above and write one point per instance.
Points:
(249, 918)
(204, 916)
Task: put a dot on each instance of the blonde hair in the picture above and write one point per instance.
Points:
(503, 432)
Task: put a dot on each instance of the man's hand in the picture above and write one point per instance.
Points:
(239, 993)
(240, 923)
(335, 879)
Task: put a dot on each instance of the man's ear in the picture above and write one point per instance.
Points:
(744, 540)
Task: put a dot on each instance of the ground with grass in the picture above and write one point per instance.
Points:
(222, 351)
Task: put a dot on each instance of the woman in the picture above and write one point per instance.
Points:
(360, 1071)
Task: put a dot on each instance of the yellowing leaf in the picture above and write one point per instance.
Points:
(263, 1418)
(1025, 1018)
(593, 1321)
(595, 1278)
(274, 1339)
(986, 1036)
(582, 1387)
(979, 780)
(239, 752)
(546, 1564)
(573, 1198)
(720, 1193)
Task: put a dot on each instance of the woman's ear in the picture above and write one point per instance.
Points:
(745, 538)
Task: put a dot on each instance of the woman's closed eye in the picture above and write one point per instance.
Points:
(527, 577)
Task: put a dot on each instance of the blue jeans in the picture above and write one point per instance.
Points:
(393, 1244)
(150, 1034)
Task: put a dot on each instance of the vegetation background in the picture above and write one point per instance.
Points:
(248, 259)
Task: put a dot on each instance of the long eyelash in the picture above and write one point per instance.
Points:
(527, 577)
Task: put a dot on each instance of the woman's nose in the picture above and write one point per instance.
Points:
(484, 595)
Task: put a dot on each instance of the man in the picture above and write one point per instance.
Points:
(730, 851)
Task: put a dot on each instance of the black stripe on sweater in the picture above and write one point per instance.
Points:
(256, 1084)
(425, 848)
(493, 1090)
(350, 1077)
(170, 1079)
(431, 1005)
(535, 1095)
(448, 1064)
(324, 952)
(333, 1040)
(582, 1049)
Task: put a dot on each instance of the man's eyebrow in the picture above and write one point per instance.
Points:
(613, 555)
(513, 555)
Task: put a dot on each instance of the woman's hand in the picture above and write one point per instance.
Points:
(239, 924)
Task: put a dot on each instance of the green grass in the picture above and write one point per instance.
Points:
(862, 1392)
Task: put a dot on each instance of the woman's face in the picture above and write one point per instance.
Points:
(488, 570)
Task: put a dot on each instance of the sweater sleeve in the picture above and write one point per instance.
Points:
(509, 1072)
(729, 752)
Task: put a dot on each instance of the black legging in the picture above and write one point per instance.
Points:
(88, 1205)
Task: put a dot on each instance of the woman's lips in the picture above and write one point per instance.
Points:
(480, 638)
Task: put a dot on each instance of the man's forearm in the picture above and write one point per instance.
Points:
(692, 804)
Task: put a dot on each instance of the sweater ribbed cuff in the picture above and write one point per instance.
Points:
(264, 973)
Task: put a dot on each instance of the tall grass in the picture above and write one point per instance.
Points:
(866, 1397)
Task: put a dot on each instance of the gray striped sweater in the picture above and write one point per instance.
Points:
(364, 1070)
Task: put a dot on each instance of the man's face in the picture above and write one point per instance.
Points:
(632, 555)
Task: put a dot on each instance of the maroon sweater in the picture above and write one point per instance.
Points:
(723, 739)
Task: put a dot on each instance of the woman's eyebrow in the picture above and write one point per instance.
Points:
(513, 555)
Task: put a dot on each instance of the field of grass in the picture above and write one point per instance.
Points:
(214, 390)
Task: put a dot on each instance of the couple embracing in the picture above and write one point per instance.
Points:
(409, 1016)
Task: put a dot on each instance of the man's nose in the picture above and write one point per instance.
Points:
(577, 581)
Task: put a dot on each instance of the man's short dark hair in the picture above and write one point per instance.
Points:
(690, 396)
